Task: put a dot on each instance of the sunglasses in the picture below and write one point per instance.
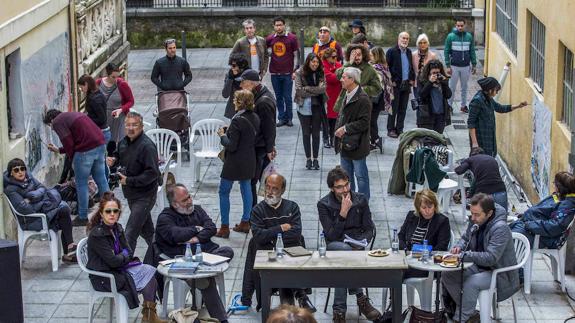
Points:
(110, 211)
(334, 56)
(234, 65)
(18, 169)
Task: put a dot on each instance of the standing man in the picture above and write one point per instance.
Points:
(83, 143)
(352, 130)
(284, 49)
(324, 41)
(254, 48)
(168, 70)
(343, 212)
(400, 64)
(460, 60)
(265, 108)
(137, 158)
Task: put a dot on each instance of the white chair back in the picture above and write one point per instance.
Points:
(207, 128)
(164, 138)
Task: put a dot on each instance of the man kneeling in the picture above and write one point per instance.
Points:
(184, 222)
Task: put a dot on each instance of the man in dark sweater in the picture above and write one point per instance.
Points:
(486, 177)
(168, 70)
(269, 218)
(137, 158)
(83, 143)
(342, 213)
(183, 222)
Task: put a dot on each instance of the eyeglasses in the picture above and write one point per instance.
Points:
(110, 211)
(19, 169)
(341, 187)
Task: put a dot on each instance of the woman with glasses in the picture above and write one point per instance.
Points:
(95, 104)
(119, 100)
(109, 252)
(28, 196)
(333, 88)
(238, 63)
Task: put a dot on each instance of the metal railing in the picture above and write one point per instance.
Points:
(462, 4)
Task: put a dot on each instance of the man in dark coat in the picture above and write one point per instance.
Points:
(352, 130)
(183, 222)
(168, 70)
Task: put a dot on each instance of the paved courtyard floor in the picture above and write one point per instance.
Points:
(63, 296)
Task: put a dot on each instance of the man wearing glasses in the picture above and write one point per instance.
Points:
(344, 213)
(325, 41)
(138, 171)
(168, 70)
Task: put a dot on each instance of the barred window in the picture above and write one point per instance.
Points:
(506, 22)
(568, 85)
(537, 53)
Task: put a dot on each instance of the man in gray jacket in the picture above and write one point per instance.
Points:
(489, 245)
(254, 48)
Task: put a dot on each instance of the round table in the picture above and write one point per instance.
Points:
(415, 263)
(203, 271)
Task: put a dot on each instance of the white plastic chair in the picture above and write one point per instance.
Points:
(44, 234)
(164, 138)
(122, 308)
(210, 141)
(488, 297)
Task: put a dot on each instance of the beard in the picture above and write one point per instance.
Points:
(185, 210)
(272, 200)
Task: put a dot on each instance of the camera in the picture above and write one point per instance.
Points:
(115, 177)
(440, 77)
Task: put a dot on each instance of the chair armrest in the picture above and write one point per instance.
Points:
(166, 164)
(536, 243)
(42, 216)
(105, 275)
(163, 256)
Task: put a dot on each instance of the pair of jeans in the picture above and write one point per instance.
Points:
(395, 121)
(91, 162)
(283, 85)
(501, 199)
(339, 294)
(140, 222)
(107, 134)
(359, 169)
(459, 74)
(310, 127)
(224, 192)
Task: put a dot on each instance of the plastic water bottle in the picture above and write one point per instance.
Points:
(322, 247)
(188, 256)
(425, 254)
(280, 246)
(395, 242)
(199, 257)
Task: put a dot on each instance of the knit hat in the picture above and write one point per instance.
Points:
(250, 75)
(488, 83)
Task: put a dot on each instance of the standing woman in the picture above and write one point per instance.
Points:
(420, 58)
(383, 101)
(95, 104)
(238, 64)
(310, 99)
(434, 112)
(119, 100)
(239, 141)
(332, 88)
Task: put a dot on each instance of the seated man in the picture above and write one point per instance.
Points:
(551, 217)
(271, 216)
(489, 245)
(343, 212)
(184, 222)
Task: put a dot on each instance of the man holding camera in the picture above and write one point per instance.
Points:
(138, 174)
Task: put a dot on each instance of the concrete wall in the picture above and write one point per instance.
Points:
(11, 9)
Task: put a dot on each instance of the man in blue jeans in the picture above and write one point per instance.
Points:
(83, 142)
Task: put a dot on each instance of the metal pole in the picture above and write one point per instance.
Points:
(184, 45)
(301, 46)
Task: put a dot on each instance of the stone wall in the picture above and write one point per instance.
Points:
(147, 28)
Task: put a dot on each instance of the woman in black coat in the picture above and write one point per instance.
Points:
(425, 223)
(238, 64)
(96, 104)
(109, 252)
(434, 112)
(239, 140)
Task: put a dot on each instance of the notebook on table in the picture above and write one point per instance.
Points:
(212, 260)
(183, 267)
(297, 251)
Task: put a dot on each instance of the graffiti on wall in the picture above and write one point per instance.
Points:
(541, 149)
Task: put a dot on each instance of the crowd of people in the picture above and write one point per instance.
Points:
(339, 92)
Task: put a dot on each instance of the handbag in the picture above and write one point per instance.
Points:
(417, 315)
(184, 315)
(350, 142)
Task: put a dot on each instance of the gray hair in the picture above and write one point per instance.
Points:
(134, 114)
(171, 192)
(248, 22)
(353, 73)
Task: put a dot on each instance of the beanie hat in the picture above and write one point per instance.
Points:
(488, 83)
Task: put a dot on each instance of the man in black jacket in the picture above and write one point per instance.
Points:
(269, 218)
(403, 76)
(183, 222)
(168, 70)
(137, 158)
(265, 107)
(342, 213)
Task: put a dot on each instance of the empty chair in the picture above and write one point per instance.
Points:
(210, 144)
(165, 140)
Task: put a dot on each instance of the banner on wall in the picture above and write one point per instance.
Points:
(541, 149)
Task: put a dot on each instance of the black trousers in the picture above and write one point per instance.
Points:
(324, 125)
(331, 125)
(63, 221)
(437, 124)
(396, 120)
(140, 222)
(373, 128)
(310, 127)
(262, 161)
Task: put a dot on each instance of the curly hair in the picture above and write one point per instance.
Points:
(328, 52)
(434, 63)
(364, 52)
(239, 59)
(96, 217)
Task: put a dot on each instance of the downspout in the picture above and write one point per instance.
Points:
(486, 32)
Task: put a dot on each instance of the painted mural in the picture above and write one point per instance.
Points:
(541, 149)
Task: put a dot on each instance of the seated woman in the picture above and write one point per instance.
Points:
(109, 252)
(28, 196)
(551, 217)
(424, 223)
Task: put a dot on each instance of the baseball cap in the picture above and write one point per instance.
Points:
(250, 75)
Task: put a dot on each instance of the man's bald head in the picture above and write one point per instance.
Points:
(276, 181)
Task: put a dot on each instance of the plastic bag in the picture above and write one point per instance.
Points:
(271, 168)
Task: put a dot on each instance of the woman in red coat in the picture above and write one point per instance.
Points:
(333, 88)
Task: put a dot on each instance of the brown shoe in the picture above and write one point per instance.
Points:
(149, 314)
(243, 226)
(365, 308)
(338, 317)
(223, 232)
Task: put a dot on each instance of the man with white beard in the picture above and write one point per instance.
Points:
(181, 223)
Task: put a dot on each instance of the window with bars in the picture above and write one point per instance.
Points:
(568, 85)
(506, 22)
(537, 53)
